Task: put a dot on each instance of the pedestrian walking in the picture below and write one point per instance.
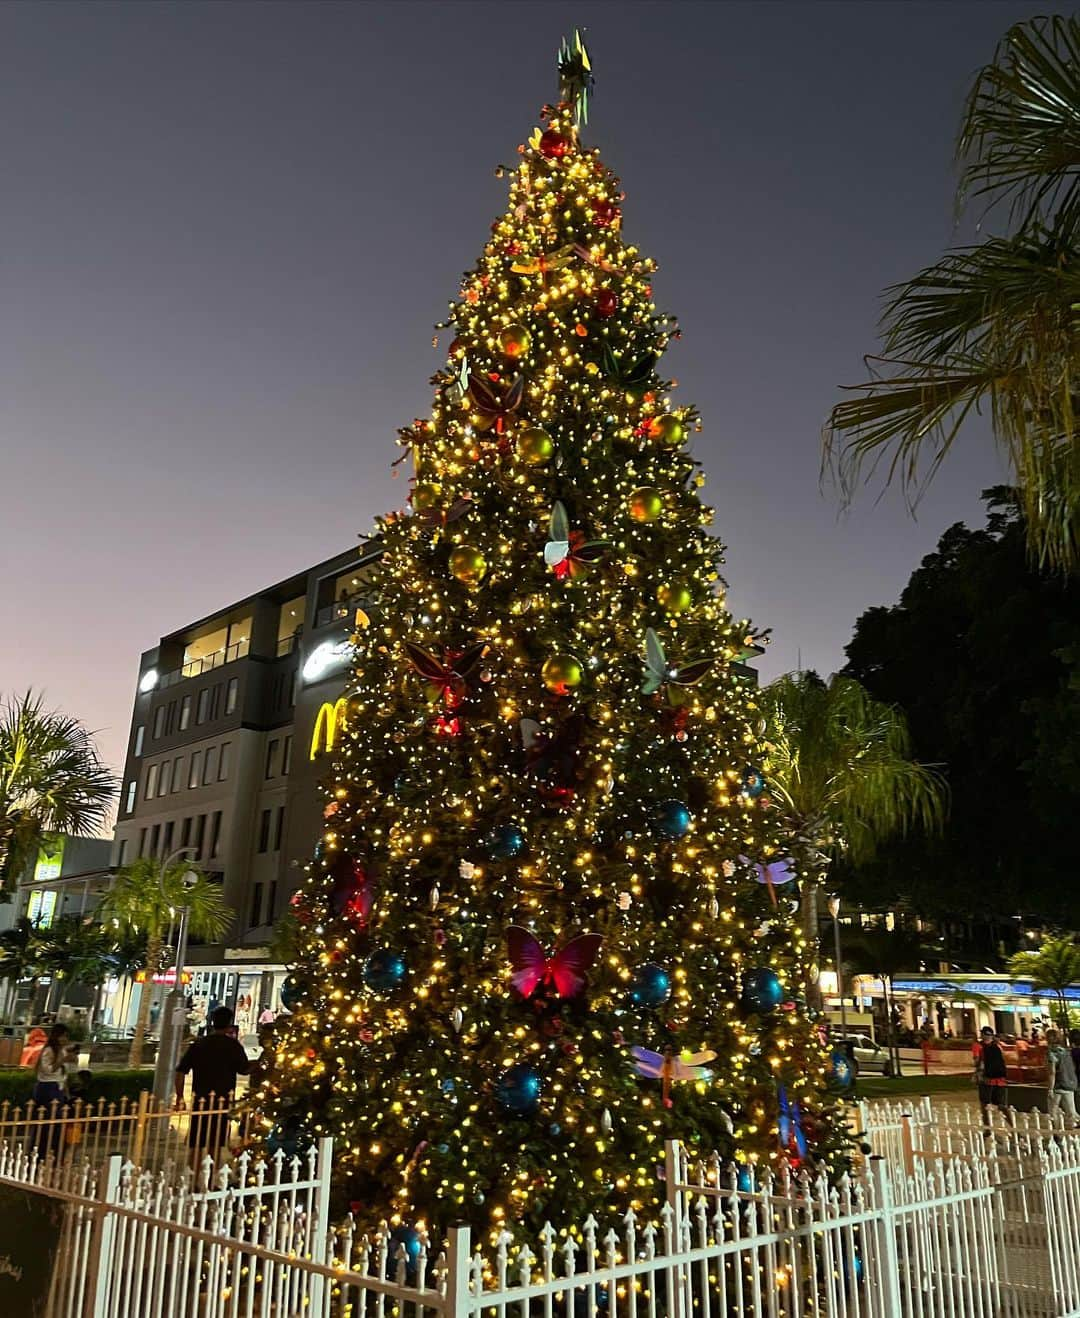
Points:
(990, 1073)
(1061, 1096)
(50, 1088)
(214, 1062)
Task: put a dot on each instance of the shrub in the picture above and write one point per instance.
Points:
(17, 1084)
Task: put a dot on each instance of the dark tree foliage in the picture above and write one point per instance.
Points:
(983, 654)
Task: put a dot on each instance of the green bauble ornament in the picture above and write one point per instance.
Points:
(535, 446)
(668, 429)
(468, 565)
(514, 341)
(561, 673)
(674, 596)
(645, 504)
(425, 495)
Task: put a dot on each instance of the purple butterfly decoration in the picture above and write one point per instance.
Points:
(772, 875)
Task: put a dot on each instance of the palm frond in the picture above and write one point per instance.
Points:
(145, 899)
(1020, 135)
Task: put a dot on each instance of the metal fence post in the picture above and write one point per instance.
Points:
(907, 1142)
(319, 1293)
(458, 1266)
(100, 1266)
(888, 1263)
(139, 1142)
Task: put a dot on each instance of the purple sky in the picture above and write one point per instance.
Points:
(229, 228)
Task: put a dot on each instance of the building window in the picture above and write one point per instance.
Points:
(121, 851)
(170, 726)
(151, 782)
(178, 773)
(210, 767)
(292, 689)
(231, 692)
(159, 721)
(132, 793)
(193, 772)
(286, 756)
(166, 837)
(140, 734)
(279, 822)
(271, 901)
(256, 905)
(155, 839)
(215, 835)
(223, 763)
(264, 832)
(163, 779)
(185, 831)
(272, 757)
(203, 707)
(142, 841)
(215, 700)
(185, 713)
(197, 836)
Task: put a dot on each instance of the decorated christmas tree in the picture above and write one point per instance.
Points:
(548, 925)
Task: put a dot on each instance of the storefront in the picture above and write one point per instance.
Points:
(960, 1005)
(246, 981)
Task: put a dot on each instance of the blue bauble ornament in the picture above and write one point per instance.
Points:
(291, 993)
(672, 818)
(409, 1238)
(762, 990)
(753, 784)
(505, 841)
(840, 1069)
(384, 969)
(744, 1178)
(651, 986)
(518, 1089)
(290, 1138)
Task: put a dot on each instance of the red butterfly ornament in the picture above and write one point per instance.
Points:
(565, 971)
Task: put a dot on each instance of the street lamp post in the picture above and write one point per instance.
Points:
(834, 911)
(174, 1014)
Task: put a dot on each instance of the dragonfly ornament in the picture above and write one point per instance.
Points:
(666, 1067)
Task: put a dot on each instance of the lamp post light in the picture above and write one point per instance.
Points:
(834, 911)
(174, 1013)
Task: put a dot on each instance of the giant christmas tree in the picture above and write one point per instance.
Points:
(538, 906)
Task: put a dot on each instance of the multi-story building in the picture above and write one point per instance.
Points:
(232, 717)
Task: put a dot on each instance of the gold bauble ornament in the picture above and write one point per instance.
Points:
(468, 565)
(561, 673)
(645, 504)
(535, 446)
(668, 429)
(674, 596)
(425, 495)
(514, 341)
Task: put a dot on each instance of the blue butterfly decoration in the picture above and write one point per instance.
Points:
(792, 1136)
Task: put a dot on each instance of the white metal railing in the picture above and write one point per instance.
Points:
(950, 1239)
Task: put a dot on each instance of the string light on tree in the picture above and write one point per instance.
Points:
(549, 732)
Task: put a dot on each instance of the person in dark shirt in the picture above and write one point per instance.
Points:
(214, 1061)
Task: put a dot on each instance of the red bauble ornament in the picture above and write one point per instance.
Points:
(605, 212)
(553, 145)
(606, 303)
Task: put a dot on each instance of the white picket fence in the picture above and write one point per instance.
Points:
(956, 1234)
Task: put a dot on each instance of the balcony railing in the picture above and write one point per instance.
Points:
(343, 608)
(196, 667)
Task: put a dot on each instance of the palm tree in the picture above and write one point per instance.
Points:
(146, 898)
(51, 781)
(78, 951)
(1054, 966)
(993, 325)
(839, 771)
(21, 956)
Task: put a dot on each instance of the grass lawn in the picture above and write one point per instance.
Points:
(877, 1086)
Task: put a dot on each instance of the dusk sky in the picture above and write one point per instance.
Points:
(228, 229)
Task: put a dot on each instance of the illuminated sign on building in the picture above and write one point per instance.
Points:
(50, 859)
(329, 723)
(164, 977)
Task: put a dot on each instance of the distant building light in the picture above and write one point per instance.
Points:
(325, 658)
(148, 681)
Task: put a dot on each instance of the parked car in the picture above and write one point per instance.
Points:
(870, 1057)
